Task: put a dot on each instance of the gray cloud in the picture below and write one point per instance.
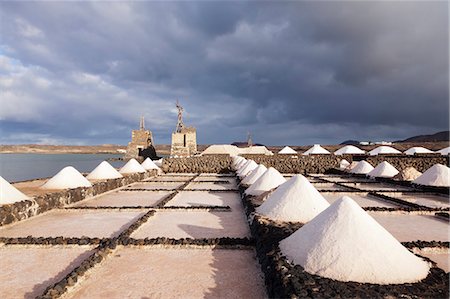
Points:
(290, 72)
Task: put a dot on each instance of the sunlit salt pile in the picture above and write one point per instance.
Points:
(408, 174)
(250, 165)
(316, 149)
(255, 150)
(362, 167)
(383, 150)
(254, 175)
(437, 175)
(347, 244)
(418, 150)
(104, 171)
(383, 170)
(349, 149)
(351, 166)
(295, 200)
(67, 178)
(270, 179)
(9, 193)
(444, 151)
(287, 150)
(132, 166)
(229, 149)
(343, 164)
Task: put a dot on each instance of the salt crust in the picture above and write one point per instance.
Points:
(104, 171)
(349, 149)
(132, 166)
(315, 150)
(287, 150)
(408, 174)
(437, 175)
(67, 178)
(384, 150)
(347, 244)
(383, 170)
(418, 150)
(270, 179)
(9, 193)
(254, 175)
(343, 164)
(249, 167)
(444, 151)
(295, 200)
(362, 167)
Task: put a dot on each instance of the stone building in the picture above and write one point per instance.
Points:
(184, 139)
(141, 145)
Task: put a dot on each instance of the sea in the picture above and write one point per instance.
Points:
(22, 167)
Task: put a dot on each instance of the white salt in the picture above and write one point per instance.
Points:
(351, 166)
(246, 169)
(437, 175)
(349, 149)
(226, 149)
(444, 151)
(408, 174)
(295, 200)
(104, 171)
(384, 150)
(241, 163)
(270, 179)
(347, 244)
(383, 170)
(287, 150)
(9, 193)
(158, 162)
(132, 166)
(343, 164)
(316, 149)
(67, 178)
(362, 167)
(148, 164)
(254, 175)
(418, 150)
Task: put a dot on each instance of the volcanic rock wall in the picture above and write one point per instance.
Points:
(207, 163)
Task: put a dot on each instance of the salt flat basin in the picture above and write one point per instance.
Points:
(155, 185)
(72, 223)
(441, 259)
(215, 179)
(363, 199)
(328, 186)
(222, 175)
(26, 271)
(424, 199)
(193, 224)
(377, 186)
(170, 178)
(174, 273)
(211, 186)
(207, 198)
(339, 178)
(125, 199)
(180, 174)
(409, 227)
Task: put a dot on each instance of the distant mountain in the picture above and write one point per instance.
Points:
(440, 136)
(350, 142)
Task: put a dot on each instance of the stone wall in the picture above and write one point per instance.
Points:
(208, 163)
(10, 213)
(297, 164)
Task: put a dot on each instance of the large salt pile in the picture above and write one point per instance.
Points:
(316, 149)
(223, 149)
(240, 163)
(67, 178)
(437, 175)
(418, 150)
(254, 175)
(343, 164)
(408, 174)
(296, 200)
(270, 179)
(104, 171)
(255, 150)
(235, 161)
(287, 150)
(9, 193)
(444, 151)
(347, 244)
(351, 166)
(383, 170)
(382, 150)
(349, 149)
(249, 166)
(148, 164)
(132, 166)
(362, 167)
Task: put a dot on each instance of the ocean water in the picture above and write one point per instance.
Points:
(21, 167)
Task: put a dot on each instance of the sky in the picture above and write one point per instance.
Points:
(290, 72)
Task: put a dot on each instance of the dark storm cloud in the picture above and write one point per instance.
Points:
(290, 72)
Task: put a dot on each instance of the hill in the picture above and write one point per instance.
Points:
(440, 136)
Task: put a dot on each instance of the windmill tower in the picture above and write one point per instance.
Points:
(184, 139)
(141, 144)
(180, 124)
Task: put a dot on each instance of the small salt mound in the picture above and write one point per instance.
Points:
(104, 171)
(236, 161)
(345, 243)
(9, 193)
(243, 165)
(270, 179)
(287, 150)
(437, 175)
(381, 150)
(362, 167)
(351, 166)
(383, 170)
(246, 169)
(444, 151)
(223, 149)
(418, 150)
(67, 178)
(132, 166)
(296, 200)
(316, 150)
(343, 164)
(254, 175)
(158, 162)
(148, 164)
(408, 174)
(240, 164)
(349, 149)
